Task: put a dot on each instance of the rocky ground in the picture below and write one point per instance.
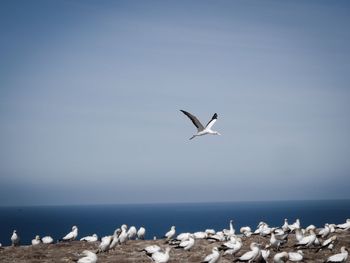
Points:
(130, 252)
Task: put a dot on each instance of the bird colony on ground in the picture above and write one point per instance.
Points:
(287, 243)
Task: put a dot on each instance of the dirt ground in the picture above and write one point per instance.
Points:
(131, 252)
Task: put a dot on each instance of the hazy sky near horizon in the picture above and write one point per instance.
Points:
(90, 93)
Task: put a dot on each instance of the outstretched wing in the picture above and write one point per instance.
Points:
(194, 120)
(212, 121)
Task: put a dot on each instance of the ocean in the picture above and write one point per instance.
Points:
(158, 218)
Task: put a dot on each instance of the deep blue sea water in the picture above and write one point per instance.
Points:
(157, 218)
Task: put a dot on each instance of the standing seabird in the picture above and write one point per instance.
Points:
(213, 257)
(15, 238)
(201, 130)
(171, 233)
(141, 233)
(71, 235)
(104, 245)
(132, 232)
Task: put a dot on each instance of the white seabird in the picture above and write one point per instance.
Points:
(251, 255)
(232, 247)
(71, 235)
(296, 256)
(15, 239)
(213, 257)
(36, 240)
(200, 235)
(92, 238)
(307, 241)
(132, 232)
(230, 232)
(161, 257)
(265, 253)
(246, 231)
(340, 257)
(123, 236)
(47, 240)
(104, 245)
(201, 130)
(171, 233)
(329, 243)
(285, 225)
(151, 249)
(295, 225)
(344, 226)
(281, 257)
(115, 238)
(188, 243)
(90, 257)
(141, 233)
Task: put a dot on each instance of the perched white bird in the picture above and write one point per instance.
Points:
(104, 245)
(115, 238)
(15, 239)
(47, 240)
(246, 231)
(295, 225)
(251, 255)
(161, 257)
(92, 238)
(232, 247)
(296, 256)
(210, 231)
(324, 232)
(183, 236)
(340, 257)
(171, 233)
(328, 243)
(299, 234)
(281, 257)
(307, 241)
(201, 130)
(213, 257)
(200, 235)
(141, 233)
(274, 242)
(188, 243)
(308, 228)
(71, 235)
(36, 240)
(151, 249)
(232, 230)
(132, 232)
(90, 257)
(219, 236)
(285, 226)
(344, 226)
(123, 236)
(265, 254)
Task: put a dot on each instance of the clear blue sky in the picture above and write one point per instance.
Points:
(90, 93)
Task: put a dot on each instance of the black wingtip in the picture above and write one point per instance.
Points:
(215, 116)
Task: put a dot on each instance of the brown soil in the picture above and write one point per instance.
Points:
(130, 252)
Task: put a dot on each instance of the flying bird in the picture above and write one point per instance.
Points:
(201, 130)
